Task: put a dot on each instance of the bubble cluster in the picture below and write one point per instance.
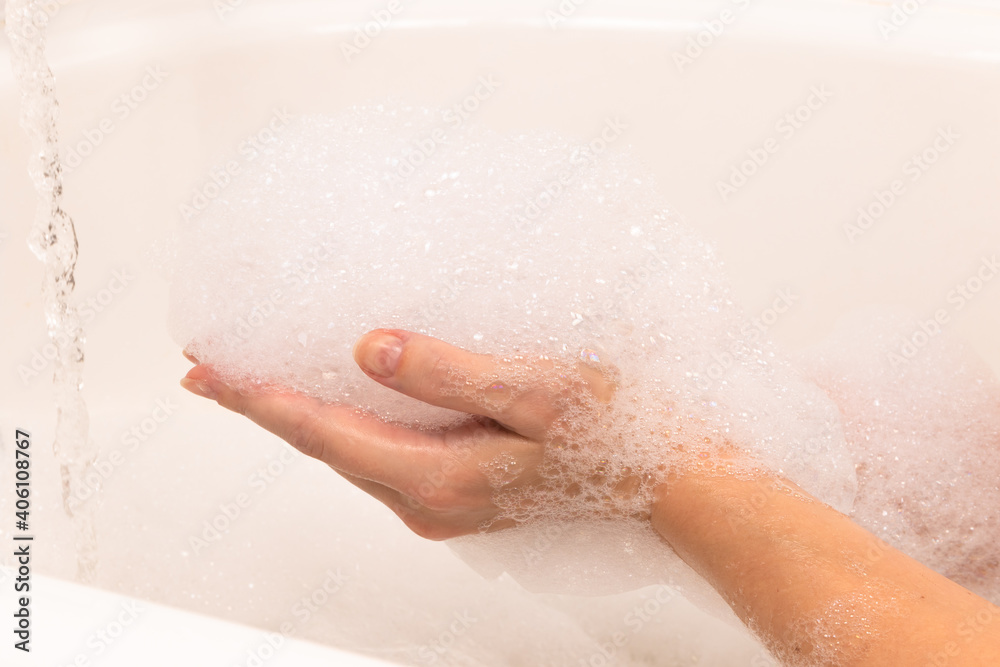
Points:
(924, 432)
(524, 247)
(844, 629)
(561, 256)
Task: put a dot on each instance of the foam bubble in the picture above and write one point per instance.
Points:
(526, 245)
(534, 247)
(924, 430)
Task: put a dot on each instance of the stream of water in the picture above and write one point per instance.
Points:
(53, 240)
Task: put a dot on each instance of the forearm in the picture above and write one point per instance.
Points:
(812, 583)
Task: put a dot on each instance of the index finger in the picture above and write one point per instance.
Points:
(524, 394)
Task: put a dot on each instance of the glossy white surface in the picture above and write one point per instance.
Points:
(76, 625)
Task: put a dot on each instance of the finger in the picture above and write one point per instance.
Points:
(525, 395)
(340, 436)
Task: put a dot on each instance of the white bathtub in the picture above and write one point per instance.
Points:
(202, 82)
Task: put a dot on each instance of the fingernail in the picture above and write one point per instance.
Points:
(190, 357)
(199, 388)
(381, 356)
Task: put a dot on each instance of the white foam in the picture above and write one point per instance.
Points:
(925, 433)
(326, 236)
(534, 245)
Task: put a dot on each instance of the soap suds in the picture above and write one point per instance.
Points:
(321, 240)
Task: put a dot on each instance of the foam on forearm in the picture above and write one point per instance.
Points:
(519, 244)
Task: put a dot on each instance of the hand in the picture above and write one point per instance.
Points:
(786, 561)
(446, 483)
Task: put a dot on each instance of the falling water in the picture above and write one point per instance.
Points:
(53, 240)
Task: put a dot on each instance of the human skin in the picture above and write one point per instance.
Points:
(814, 586)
